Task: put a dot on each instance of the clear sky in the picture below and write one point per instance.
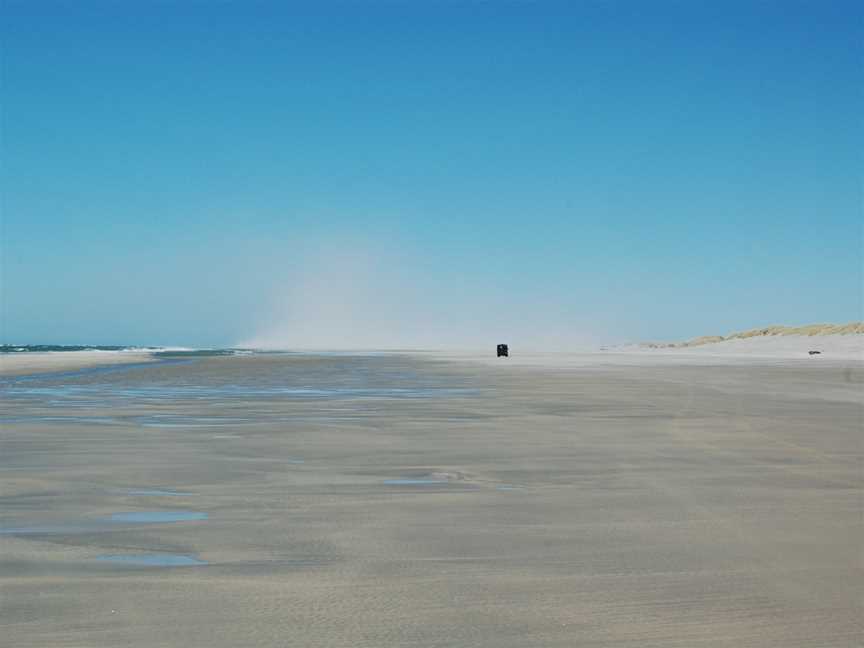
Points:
(425, 173)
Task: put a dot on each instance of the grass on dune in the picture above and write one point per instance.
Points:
(768, 331)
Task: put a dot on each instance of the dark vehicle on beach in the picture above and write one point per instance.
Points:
(503, 350)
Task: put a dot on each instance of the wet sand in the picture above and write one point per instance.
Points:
(434, 503)
(16, 364)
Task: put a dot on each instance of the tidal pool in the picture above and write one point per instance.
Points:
(153, 560)
(414, 482)
(46, 530)
(157, 516)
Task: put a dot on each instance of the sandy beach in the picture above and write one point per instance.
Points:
(388, 501)
(14, 364)
(257, 263)
(791, 350)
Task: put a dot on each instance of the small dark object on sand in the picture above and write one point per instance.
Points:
(814, 352)
(503, 350)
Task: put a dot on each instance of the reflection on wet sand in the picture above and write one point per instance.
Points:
(386, 501)
(153, 560)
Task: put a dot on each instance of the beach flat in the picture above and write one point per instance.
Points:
(396, 500)
(15, 364)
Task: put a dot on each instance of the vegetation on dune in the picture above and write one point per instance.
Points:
(766, 331)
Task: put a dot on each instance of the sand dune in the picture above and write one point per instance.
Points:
(849, 346)
(820, 331)
(810, 330)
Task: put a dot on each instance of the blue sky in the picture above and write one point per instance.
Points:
(427, 173)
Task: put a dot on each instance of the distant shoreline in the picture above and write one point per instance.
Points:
(827, 341)
(16, 364)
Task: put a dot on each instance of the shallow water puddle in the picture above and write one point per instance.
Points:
(72, 420)
(103, 524)
(414, 482)
(157, 516)
(178, 421)
(157, 493)
(154, 560)
(46, 530)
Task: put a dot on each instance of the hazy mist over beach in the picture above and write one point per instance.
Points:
(359, 294)
(427, 174)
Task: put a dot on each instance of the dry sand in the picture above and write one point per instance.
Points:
(812, 333)
(833, 350)
(836, 346)
(12, 364)
(636, 502)
(831, 347)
